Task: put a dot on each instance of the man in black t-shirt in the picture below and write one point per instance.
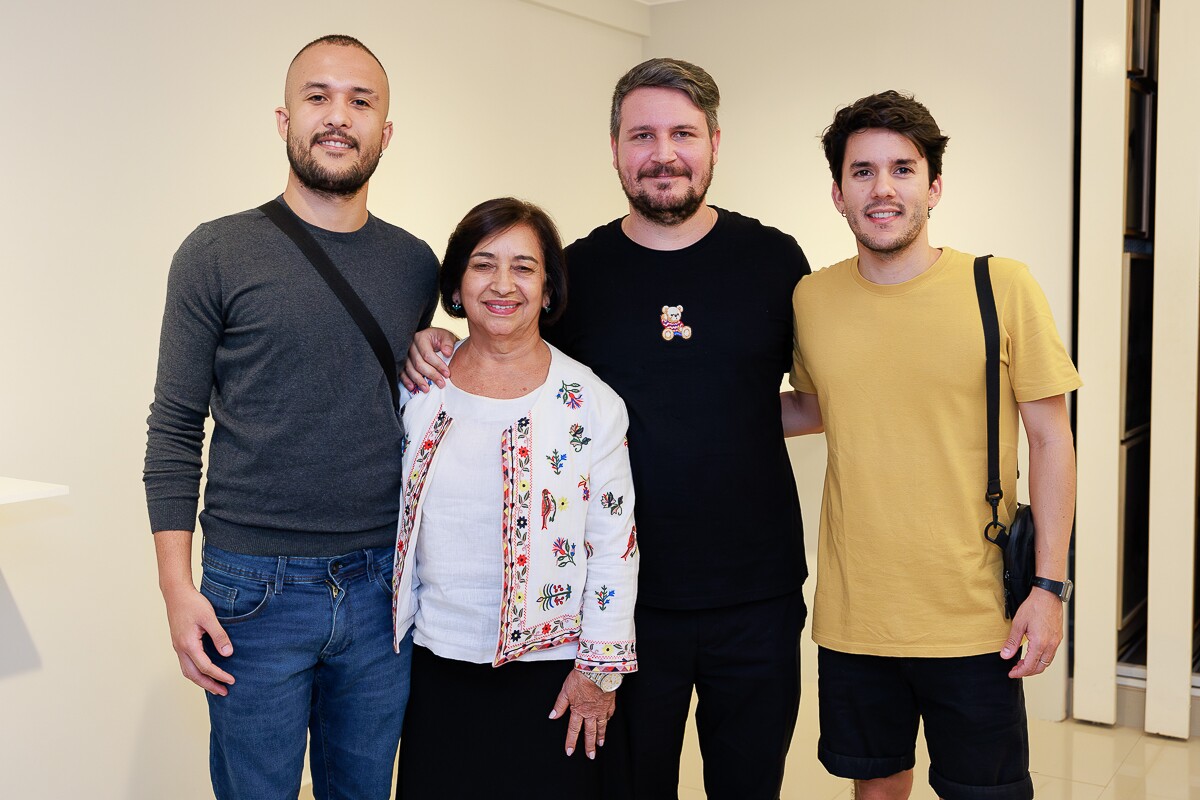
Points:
(685, 310)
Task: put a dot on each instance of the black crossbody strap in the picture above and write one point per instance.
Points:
(991, 341)
(290, 224)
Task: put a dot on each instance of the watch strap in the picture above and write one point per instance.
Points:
(1057, 588)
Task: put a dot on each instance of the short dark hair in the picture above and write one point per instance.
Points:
(339, 40)
(668, 73)
(491, 218)
(894, 112)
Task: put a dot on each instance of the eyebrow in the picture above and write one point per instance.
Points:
(899, 162)
(326, 87)
(486, 254)
(678, 127)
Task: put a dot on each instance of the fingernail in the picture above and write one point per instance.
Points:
(592, 755)
(600, 743)
(570, 750)
(553, 714)
(227, 649)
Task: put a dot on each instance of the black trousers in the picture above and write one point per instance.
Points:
(478, 731)
(744, 663)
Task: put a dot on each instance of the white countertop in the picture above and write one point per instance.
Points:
(14, 490)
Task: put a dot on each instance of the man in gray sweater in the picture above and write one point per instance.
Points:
(290, 631)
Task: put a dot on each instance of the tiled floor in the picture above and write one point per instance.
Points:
(1069, 761)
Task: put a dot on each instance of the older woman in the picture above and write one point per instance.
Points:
(517, 552)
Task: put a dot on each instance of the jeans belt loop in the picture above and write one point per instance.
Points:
(279, 572)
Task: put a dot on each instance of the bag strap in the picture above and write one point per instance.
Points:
(995, 532)
(289, 223)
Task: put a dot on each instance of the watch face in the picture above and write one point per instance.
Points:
(610, 681)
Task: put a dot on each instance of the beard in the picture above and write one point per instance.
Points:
(668, 210)
(895, 243)
(321, 180)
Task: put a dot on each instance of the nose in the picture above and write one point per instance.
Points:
(883, 186)
(664, 150)
(503, 282)
(337, 115)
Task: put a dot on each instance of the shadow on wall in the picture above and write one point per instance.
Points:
(18, 653)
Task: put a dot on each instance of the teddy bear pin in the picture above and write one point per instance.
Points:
(672, 322)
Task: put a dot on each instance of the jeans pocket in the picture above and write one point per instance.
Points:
(383, 575)
(235, 598)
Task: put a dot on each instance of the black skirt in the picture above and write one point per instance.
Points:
(474, 730)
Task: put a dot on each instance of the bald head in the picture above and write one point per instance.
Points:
(337, 56)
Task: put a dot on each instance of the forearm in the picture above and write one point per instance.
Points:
(1051, 481)
(173, 550)
(1052, 497)
(800, 413)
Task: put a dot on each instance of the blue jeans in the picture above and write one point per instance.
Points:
(312, 656)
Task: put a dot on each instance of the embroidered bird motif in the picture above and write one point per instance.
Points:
(631, 547)
(549, 506)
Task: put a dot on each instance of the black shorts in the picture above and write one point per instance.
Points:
(974, 717)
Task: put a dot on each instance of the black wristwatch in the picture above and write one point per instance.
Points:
(1060, 589)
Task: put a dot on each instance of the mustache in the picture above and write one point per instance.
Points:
(665, 171)
(317, 137)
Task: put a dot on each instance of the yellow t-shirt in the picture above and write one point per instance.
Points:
(903, 568)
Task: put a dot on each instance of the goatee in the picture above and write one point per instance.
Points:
(668, 211)
(316, 178)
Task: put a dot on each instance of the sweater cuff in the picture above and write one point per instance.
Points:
(172, 515)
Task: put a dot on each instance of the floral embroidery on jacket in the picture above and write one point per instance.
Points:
(412, 490)
(585, 483)
(578, 440)
(553, 594)
(571, 394)
(603, 596)
(612, 503)
(602, 652)
(564, 551)
(556, 460)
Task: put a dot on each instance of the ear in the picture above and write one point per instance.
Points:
(935, 191)
(612, 142)
(716, 144)
(839, 202)
(456, 298)
(387, 135)
(281, 122)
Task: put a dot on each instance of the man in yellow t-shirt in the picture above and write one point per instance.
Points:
(889, 355)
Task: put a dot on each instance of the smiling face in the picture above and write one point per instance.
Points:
(664, 154)
(335, 118)
(886, 193)
(503, 288)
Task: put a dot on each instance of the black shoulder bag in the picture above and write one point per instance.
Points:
(290, 224)
(1016, 541)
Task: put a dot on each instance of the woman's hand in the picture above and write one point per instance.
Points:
(424, 364)
(590, 710)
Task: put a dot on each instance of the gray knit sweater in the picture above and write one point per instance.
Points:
(305, 452)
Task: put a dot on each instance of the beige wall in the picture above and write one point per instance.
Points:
(130, 122)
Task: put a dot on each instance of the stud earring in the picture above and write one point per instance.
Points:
(930, 215)
(456, 306)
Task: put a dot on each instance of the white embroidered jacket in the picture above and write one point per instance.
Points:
(568, 536)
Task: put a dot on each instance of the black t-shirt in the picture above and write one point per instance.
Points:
(718, 516)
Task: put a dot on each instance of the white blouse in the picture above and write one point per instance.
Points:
(459, 563)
